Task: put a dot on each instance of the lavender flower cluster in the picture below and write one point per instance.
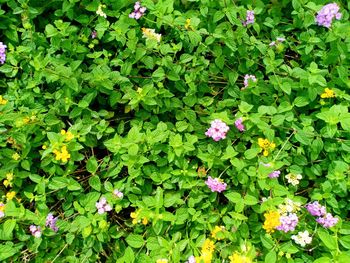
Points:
(248, 77)
(217, 130)
(35, 231)
(215, 184)
(250, 18)
(2, 53)
(138, 12)
(323, 218)
(51, 222)
(288, 222)
(326, 15)
(102, 206)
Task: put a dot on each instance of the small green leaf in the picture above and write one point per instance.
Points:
(95, 182)
(135, 241)
(91, 165)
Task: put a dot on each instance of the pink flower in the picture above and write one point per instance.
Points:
(215, 184)
(51, 222)
(274, 174)
(248, 77)
(117, 193)
(327, 220)
(35, 230)
(250, 18)
(217, 130)
(239, 124)
(102, 206)
(315, 209)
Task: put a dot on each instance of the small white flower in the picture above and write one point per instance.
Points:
(151, 34)
(100, 12)
(303, 238)
(293, 178)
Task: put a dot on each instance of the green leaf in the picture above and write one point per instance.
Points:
(7, 251)
(7, 229)
(135, 241)
(329, 241)
(92, 165)
(95, 182)
(271, 257)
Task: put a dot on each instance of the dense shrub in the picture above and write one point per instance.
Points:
(158, 131)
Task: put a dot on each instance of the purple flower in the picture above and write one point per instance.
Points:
(215, 184)
(117, 193)
(248, 77)
(327, 220)
(274, 174)
(51, 222)
(326, 15)
(2, 53)
(138, 12)
(102, 206)
(288, 222)
(35, 230)
(273, 43)
(191, 259)
(249, 18)
(239, 125)
(217, 130)
(315, 209)
(93, 34)
(280, 39)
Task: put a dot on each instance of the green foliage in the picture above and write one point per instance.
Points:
(81, 117)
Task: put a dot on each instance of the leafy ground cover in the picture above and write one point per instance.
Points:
(173, 131)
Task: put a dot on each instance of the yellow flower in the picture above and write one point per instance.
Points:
(16, 156)
(162, 260)
(144, 221)
(8, 180)
(68, 135)
(237, 258)
(266, 146)
(272, 220)
(2, 207)
(217, 230)
(26, 120)
(188, 23)
(2, 101)
(208, 246)
(328, 93)
(44, 147)
(62, 155)
(10, 195)
(206, 257)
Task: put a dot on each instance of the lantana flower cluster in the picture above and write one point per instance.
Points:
(217, 130)
(248, 77)
(2, 53)
(102, 206)
(149, 33)
(138, 12)
(266, 146)
(216, 184)
(327, 220)
(35, 231)
(51, 222)
(327, 14)
(250, 18)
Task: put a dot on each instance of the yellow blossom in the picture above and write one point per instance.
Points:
(237, 258)
(62, 155)
(8, 180)
(328, 93)
(44, 147)
(266, 146)
(162, 260)
(217, 230)
(10, 195)
(144, 221)
(2, 101)
(188, 23)
(208, 246)
(206, 257)
(16, 156)
(272, 220)
(68, 135)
